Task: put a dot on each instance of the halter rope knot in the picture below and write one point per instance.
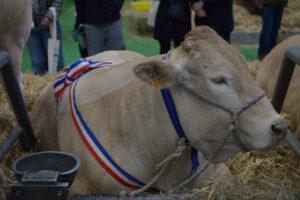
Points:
(233, 125)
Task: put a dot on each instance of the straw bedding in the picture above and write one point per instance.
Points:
(274, 175)
(33, 85)
(249, 23)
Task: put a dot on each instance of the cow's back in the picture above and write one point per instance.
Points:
(44, 113)
(267, 77)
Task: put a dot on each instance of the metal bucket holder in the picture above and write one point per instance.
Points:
(44, 175)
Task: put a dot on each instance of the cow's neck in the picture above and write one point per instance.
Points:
(154, 135)
(134, 127)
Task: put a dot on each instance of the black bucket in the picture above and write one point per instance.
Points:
(60, 166)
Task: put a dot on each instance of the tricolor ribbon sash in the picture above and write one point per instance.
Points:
(73, 72)
(97, 150)
(70, 77)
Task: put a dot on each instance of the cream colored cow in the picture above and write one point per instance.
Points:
(267, 77)
(124, 108)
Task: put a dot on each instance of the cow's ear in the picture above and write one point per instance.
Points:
(157, 73)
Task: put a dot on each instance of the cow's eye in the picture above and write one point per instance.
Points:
(219, 80)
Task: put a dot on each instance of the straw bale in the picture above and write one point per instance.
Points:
(244, 21)
(258, 176)
(137, 22)
(253, 67)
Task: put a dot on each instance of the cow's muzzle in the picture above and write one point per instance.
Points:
(279, 129)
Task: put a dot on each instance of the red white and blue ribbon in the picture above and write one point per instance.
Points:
(97, 150)
(73, 72)
(70, 77)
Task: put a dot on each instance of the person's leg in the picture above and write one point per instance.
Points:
(197, 21)
(114, 37)
(164, 46)
(277, 18)
(226, 36)
(45, 38)
(60, 64)
(267, 13)
(37, 52)
(94, 38)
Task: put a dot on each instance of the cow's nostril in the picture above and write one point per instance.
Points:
(276, 129)
(279, 128)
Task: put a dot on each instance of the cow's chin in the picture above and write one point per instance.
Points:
(240, 143)
(247, 144)
(227, 152)
(261, 142)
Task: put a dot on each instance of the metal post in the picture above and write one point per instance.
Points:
(291, 58)
(9, 141)
(293, 143)
(282, 85)
(17, 102)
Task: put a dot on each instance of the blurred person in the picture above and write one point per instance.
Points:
(271, 14)
(216, 14)
(40, 33)
(173, 22)
(79, 36)
(102, 24)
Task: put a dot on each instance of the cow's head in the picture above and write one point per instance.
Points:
(210, 67)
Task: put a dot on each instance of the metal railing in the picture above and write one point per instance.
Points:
(24, 130)
(291, 59)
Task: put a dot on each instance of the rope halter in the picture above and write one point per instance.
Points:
(234, 123)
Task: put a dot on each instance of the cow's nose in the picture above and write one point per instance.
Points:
(279, 128)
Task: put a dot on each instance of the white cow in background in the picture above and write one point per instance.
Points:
(267, 77)
(15, 24)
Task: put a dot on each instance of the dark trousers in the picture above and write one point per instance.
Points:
(271, 21)
(104, 37)
(38, 50)
(225, 36)
(165, 46)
